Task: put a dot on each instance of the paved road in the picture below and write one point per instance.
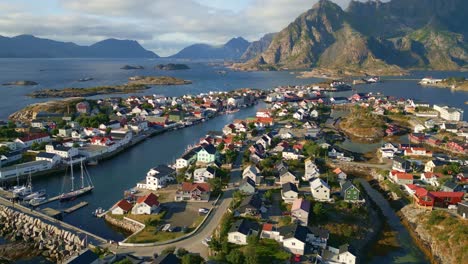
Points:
(385, 166)
(194, 242)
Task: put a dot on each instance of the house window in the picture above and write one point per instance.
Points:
(292, 243)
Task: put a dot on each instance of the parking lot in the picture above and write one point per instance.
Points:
(183, 214)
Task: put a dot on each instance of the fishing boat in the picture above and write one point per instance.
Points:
(98, 211)
(37, 201)
(85, 79)
(38, 194)
(74, 193)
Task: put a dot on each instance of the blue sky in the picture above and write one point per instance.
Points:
(163, 26)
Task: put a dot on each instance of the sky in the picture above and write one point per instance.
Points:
(163, 26)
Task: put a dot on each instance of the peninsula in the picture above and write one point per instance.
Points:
(455, 83)
(132, 67)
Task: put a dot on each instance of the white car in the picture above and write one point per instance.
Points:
(203, 210)
(207, 241)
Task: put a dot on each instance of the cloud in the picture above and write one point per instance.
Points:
(164, 26)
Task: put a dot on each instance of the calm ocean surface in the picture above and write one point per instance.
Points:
(114, 176)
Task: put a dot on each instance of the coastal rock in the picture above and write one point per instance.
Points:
(21, 83)
(157, 80)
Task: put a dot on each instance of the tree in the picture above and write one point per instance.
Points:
(4, 150)
(252, 240)
(108, 130)
(192, 259)
(168, 250)
(76, 145)
(318, 210)
(220, 147)
(54, 131)
(235, 257)
(180, 252)
(251, 255)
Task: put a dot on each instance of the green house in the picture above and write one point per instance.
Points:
(349, 192)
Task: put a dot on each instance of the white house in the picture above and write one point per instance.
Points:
(340, 255)
(311, 170)
(62, 151)
(295, 237)
(240, 230)
(24, 169)
(388, 150)
(187, 159)
(431, 178)
(147, 204)
(320, 190)
(157, 178)
(252, 172)
(49, 157)
(121, 207)
(449, 113)
(289, 192)
(203, 174)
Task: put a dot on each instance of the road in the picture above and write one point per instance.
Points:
(194, 243)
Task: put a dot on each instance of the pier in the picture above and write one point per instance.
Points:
(75, 207)
(51, 199)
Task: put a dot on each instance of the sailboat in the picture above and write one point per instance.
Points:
(72, 194)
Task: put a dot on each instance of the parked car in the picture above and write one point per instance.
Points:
(203, 210)
(207, 241)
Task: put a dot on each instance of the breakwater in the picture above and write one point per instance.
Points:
(53, 242)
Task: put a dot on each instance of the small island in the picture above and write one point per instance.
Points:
(454, 83)
(135, 84)
(159, 80)
(172, 67)
(21, 83)
(132, 67)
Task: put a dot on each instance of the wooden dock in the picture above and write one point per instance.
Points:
(75, 207)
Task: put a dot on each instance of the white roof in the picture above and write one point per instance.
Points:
(317, 183)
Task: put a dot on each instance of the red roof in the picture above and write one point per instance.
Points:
(447, 194)
(124, 205)
(265, 120)
(267, 227)
(402, 175)
(30, 137)
(189, 187)
(149, 199)
(337, 171)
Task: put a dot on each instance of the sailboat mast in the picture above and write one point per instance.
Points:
(72, 178)
(82, 177)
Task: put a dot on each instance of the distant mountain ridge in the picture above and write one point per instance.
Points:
(28, 46)
(257, 47)
(373, 36)
(231, 50)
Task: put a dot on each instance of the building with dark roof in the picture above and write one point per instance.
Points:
(241, 229)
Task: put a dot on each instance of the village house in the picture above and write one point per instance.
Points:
(295, 237)
(433, 164)
(253, 173)
(28, 140)
(437, 199)
(10, 157)
(207, 154)
(388, 150)
(250, 206)
(286, 176)
(62, 151)
(311, 170)
(401, 178)
(189, 192)
(300, 211)
(147, 205)
(340, 175)
(400, 164)
(121, 207)
(157, 178)
(102, 141)
(241, 229)
(49, 157)
(320, 190)
(462, 209)
(204, 174)
(338, 255)
(431, 178)
(187, 159)
(247, 186)
(289, 192)
(349, 192)
(415, 151)
(451, 186)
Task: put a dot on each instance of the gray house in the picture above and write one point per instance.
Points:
(247, 186)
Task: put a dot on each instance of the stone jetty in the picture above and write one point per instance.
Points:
(55, 243)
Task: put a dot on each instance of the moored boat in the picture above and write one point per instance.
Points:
(73, 194)
(38, 194)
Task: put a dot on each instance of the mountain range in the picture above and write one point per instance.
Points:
(231, 50)
(27, 46)
(371, 37)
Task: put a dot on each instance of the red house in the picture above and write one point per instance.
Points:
(437, 199)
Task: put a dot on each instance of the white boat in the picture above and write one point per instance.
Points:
(38, 194)
(98, 211)
(37, 200)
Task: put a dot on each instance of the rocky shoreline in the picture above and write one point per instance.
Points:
(37, 237)
(20, 83)
(123, 224)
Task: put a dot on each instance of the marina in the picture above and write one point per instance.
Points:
(75, 207)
